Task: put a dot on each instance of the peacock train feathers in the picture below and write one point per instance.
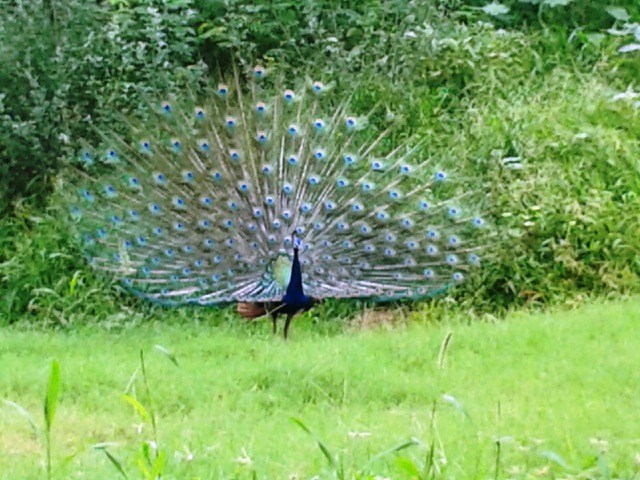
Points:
(205, 202)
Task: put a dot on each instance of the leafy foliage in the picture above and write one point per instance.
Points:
(67, 65)
(537, 103)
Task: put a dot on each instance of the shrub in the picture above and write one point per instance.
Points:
(67, 65)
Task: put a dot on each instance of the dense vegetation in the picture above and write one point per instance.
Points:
(521, 93)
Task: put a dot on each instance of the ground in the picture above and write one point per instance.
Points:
(559, 392)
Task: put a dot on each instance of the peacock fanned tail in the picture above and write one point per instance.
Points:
(200, 203)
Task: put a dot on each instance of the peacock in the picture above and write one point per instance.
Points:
(274, 195)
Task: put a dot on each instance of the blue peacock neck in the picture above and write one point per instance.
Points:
(294, 298)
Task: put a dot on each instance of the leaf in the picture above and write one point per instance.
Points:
(408, 466)
(51, 397)
(556, 3)
(25, 414)
(138, 406)
(495, 9)
(632, 47)
(158, 465)
(618, 13)
(167, 353)
(74, 282)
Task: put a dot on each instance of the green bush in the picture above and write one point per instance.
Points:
(560, 164)
(65, 66)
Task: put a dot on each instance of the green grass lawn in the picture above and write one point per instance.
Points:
(561, 391)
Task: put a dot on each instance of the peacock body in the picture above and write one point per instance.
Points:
(270, 194)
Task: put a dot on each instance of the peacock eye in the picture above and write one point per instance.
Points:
(289, 95)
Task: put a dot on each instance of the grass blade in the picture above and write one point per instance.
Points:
(167, 353)
(51, 397)
(401, 446)
(443, 350)
(23, 412)
(323, 448)
(138, 406)
(50, 406)
(114, 461)
(158, 465)
(457, 404)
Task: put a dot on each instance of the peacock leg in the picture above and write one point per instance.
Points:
(274, 320)
(286, 324)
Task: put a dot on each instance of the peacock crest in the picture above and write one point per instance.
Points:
(205, 202)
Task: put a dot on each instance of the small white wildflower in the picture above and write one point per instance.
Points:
(528, 224)
(244, 459)
(410, 34)
(581, 136)
(153, 445)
